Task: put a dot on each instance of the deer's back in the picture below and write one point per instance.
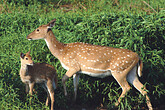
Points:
(95, 56)
(41, 71)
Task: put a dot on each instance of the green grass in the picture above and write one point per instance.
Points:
(125, 24)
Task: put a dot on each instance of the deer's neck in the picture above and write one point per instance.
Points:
(23, 70)
(53, 44)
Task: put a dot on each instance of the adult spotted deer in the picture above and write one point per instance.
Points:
(94, 60)
(43, 73)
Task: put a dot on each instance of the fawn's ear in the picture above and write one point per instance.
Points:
(28, 52)
(51, 23)
(22, 55)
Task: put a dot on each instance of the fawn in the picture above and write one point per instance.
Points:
(42, 73)
(94, 60)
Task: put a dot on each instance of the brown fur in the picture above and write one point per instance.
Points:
(42, 73)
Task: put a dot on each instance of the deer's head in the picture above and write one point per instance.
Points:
(26, 59)
(41, 31)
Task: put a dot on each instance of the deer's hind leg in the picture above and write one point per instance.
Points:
(48, 95)
(121, 79)
(133, 79)
(51, 92)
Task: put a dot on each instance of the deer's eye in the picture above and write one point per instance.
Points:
(38, 30)
(26, 58)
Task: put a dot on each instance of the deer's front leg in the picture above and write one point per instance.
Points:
(64, 79)
(27, 88)
(31, 86)
(75, 83)
(68, 74)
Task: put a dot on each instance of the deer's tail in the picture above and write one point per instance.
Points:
(140, 67)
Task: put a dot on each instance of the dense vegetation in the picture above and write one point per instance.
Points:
(126, 24)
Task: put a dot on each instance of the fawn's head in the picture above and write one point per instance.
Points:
(26, 59)
(41, 31)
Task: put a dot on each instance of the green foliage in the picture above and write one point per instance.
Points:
(102, 23)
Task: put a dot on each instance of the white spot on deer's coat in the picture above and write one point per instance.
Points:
(128, 55)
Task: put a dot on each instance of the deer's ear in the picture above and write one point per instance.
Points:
(22, 55)
(28, 52)
(51, 23)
